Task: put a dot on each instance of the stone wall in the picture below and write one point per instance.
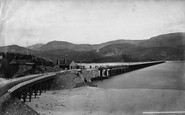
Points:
(73, 78)
(89, 74)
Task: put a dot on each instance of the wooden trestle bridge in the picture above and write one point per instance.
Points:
(25, 88)
(32, 87)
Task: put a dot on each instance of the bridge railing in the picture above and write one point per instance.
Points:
(12, 82)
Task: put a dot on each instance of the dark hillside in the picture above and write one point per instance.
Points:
(116, 49)
(121, 41)
(55, 45)
(78, 56)
(165, 40)
(15, 49)
(16, 65)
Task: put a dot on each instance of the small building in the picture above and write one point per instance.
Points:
(67, 64)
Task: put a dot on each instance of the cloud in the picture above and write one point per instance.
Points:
(91, 21)
(7, 10)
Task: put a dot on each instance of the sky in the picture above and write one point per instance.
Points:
(27, 22)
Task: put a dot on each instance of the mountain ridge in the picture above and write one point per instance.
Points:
(167, 46)
(54, 45)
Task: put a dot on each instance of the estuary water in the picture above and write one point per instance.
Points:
(169, 75)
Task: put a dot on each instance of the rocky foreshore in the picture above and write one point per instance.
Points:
(13, 106)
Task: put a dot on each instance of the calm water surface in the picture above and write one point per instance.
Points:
(169, 75)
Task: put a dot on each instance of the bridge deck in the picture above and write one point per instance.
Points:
(32, 81)
(5, 86)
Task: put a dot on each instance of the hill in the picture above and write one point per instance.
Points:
(55, 45)
(121, 41)
(167, 46)
(79, 56)
(35, 46)
(15, 49)
(165, 40)
(116, 49)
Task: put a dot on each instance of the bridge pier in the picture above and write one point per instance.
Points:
(30, 93)
(24, 95)
(33, 90)
(29, 88)
(106, 72)
(40, 88)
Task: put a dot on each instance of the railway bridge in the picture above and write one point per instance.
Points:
(25, 88)
(29, 87)
(32, 87)
(106, 72)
